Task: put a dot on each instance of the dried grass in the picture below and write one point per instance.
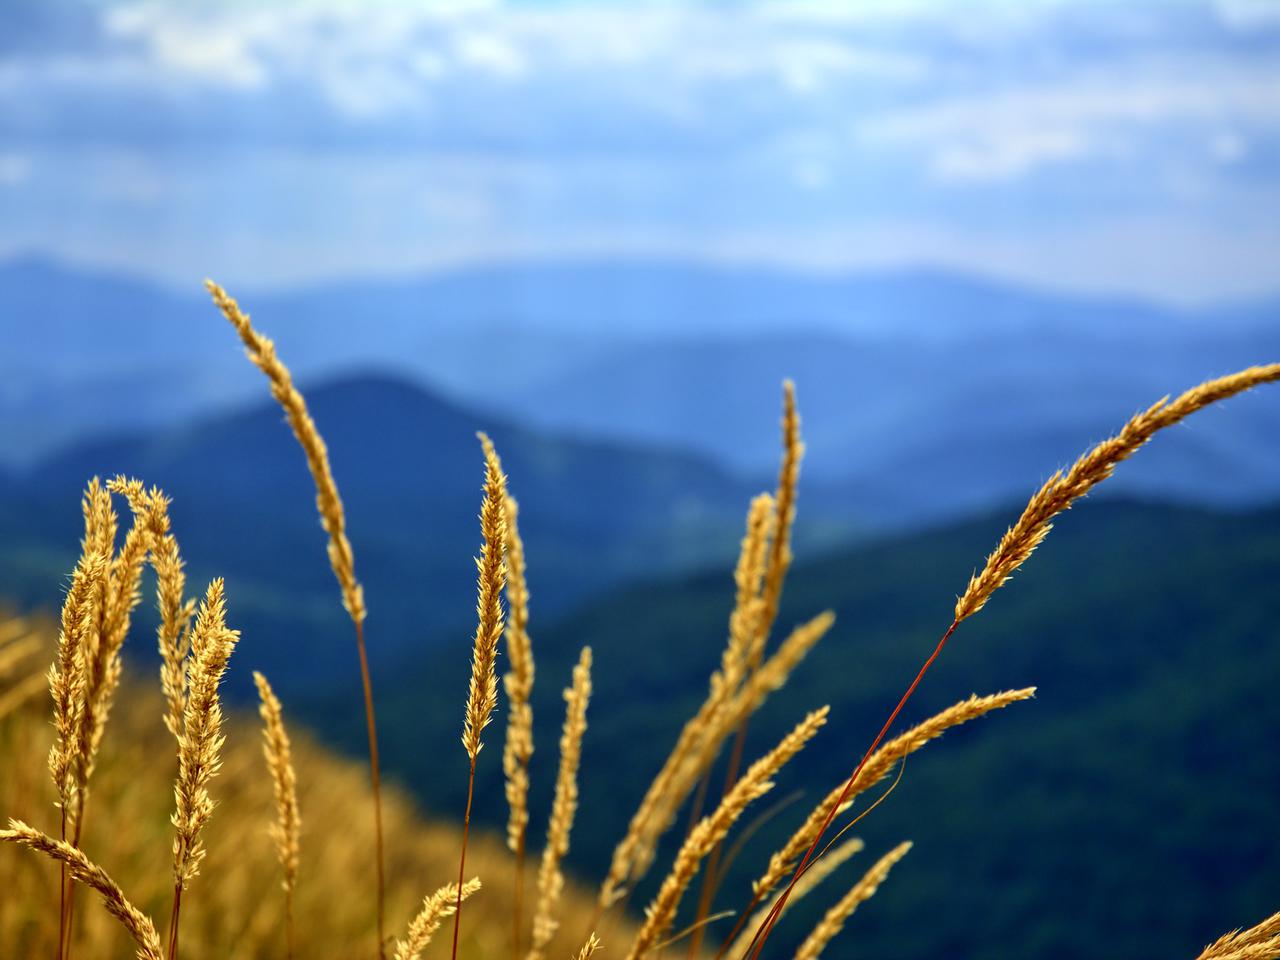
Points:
(287, 828)
(517, 750)
(436, 908)
(863, 890)
(563, 807)
(262, 353)
(712, 829)
(91, 875)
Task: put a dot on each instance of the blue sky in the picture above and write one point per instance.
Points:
(1093, 146)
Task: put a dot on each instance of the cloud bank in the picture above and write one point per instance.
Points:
(1123, 146)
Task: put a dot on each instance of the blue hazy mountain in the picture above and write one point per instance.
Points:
(904, 378)
(410, 470)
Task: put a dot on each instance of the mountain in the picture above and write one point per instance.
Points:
(896, 370)
(1132, 803)
(410, 469)
(870, 405)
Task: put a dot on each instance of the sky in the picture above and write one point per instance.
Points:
(1122, 146)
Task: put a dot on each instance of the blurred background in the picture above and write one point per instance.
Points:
(978, 237)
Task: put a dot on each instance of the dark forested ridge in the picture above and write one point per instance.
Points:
(1127, 811)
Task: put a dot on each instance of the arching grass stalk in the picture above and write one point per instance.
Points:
(262, 352)
(1057, 494)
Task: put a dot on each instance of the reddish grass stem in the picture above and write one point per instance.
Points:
(757, 942)
(173, 921)
(462, 860)
(376, 779)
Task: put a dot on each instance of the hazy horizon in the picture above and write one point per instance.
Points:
(1120, 149)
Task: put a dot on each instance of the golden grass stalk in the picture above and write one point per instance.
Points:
(99, 662)
(491, 578)
(563, 808)
(288, 823)
(877, 766)
(818, 871)
(780, 557)
(91, 875)
(634, 853)
(100, 520)
(262, 353)
(590, 947)
(828, 865)
(68, 686)
(863, 890)
(490, 581)
(764, 612)
(773, 673)
(1061, 490)
(518, 683)
(1259, 942)
(783, 861)
(770, 676)
(435, 908)
(1020, 540)
(695, 750)
(67, 677)
(742, 652)
(102, 666)
(200, 745)
(712, 829)
(126, 580)
(151, 508)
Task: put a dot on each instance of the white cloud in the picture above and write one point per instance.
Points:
(1009, 156)
(210, 49)
(1092, 116)
(1249, 14)
(798, 132)
(491, 54)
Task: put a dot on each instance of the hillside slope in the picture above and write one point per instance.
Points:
(1132, 804)
(235, 907)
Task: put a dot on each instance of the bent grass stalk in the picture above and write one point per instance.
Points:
(85, 871)
(841, 798)
(262, 353)
(1057, 494)
(1259, 942)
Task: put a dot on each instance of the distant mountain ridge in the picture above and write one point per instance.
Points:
(902, 375)
(410, 468)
